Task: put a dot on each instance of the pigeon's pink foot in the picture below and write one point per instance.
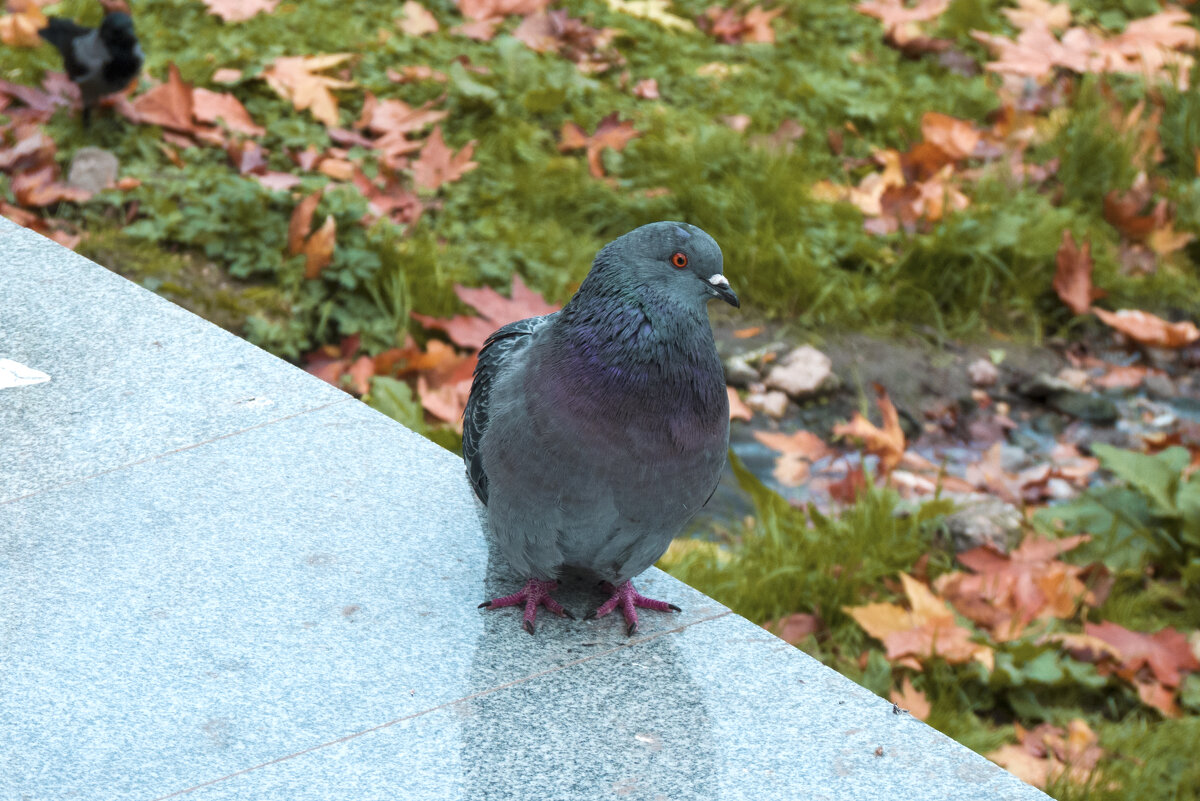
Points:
(629, 600)
(534, 592)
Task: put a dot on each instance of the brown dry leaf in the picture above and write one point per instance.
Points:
(318, 248)
(168, 105)
(1032, 12)
(887, 442)
(438, 164)
(1165, 653)
(41, 187)
(481, 30)
(1125, 376)
(927, 631)
(393, 116)
(415, 73)
(898, 12)
(488, 9)
(211, 107)
(1073, 275)
(794, 628)
(1047, 752)
(738, 410)
(301, 223)
(797, 452)
(1008, 591)
(588, 48)
(295, 78)
(954, 137)
(445, 402)
(747, 333)
(20, 28)
(1123, 212)
(610, 133)
(912, 700)
(646, 89)
(239, 10)
(730, 27)
(1147, 329)
(226, 75)
(418, 20)
(249, 157)
(494, 309)
(1167, 240)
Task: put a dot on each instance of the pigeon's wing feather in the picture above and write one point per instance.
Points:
(63, 33)
(497, 353)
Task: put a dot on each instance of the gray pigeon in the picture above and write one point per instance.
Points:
(593, 434)
(99, 61)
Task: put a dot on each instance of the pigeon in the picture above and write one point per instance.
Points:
(593, 434)
(101, 60)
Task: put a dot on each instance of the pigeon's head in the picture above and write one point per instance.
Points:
(678, 260)
(117, 29)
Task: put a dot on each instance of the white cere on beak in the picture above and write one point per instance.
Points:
(719, 280)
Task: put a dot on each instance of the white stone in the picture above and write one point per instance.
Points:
(803, 372)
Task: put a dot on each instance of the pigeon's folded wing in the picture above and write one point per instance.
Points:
(496, 355)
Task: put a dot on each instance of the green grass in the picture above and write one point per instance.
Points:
(530, 209)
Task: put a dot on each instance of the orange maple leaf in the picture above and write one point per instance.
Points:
(1166, 653)
(1047, 752)
(319, 246)
(925, 631)
(212, 107)
(1008, 591)
(797, 452)
(1147, 329)
(887, 442)
(168, 104)
(610, 133)
(20, 28)
(239, 10)
(418, 20)
(1073, 275)
(489, 9)
(494, 309)
(295, 78)
(438, 164)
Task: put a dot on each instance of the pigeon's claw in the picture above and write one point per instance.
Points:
(534, 593)
(629, 600)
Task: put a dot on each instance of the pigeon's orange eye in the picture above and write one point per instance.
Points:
(679, 260)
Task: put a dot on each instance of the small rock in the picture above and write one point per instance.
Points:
(772, 404)
(989, 521)
(802, 373)
(738, 371)
(93, 169)
(983, 373)
(1083, 406)
(1159, 385)
(1042, 386)
(1074, 378)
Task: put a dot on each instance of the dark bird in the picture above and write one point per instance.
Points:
(593, 434)
(100, 61)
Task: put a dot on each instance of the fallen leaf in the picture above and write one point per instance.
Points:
(738, 410)
(954, 137)
(494, 310)
(653, 10)
(438, 164)
(239, 10)
(646, 89)
(295, 78)
(20, 28)
(41, 187)
(897, 12)
(446, 402)
(1009, 591)
(1147, 329)
(318, 248)
(730, 27)
(1047, 752)
(1030, 12)
(227, 75)
(928, 630)
(1073, 275)
(301, 223)
(610, 133)
(1166, 652)
(248, 156)
(211, 107)
(911, 700)
(168, 105)
(797, 452)
(487, 9)
(418, 20)
(888, 442)
(794, 628)
(747, 333)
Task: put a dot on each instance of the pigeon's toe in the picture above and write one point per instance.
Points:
(535, 593)
(629, 600)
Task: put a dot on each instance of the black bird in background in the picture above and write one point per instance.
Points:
(99, 60)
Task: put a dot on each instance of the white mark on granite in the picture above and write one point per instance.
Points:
(15, 374)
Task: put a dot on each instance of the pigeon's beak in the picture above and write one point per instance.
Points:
(719, 286)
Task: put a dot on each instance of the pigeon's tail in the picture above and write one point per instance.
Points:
(61, 32)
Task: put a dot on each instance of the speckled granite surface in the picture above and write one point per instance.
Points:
(222, 579)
